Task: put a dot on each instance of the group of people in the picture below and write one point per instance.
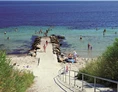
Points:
(89, 47)
(42, 32)
(16, 29)
(71, 58)
(5, 34)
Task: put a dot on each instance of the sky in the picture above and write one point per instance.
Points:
(58, 0)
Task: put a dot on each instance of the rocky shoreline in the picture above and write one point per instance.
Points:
(54, 39)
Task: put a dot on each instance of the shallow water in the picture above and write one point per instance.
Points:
(20, 41)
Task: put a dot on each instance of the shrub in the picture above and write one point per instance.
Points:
(106, 65)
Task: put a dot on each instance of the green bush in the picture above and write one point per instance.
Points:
(13, 80)
(106, 66)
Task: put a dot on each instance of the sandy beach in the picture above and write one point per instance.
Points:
(46, 70)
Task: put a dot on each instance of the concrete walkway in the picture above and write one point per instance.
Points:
(46, 71)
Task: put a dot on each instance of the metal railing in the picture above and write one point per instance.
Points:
(68, 76)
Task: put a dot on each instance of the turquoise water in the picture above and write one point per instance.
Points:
(70, 19)
(20, 41)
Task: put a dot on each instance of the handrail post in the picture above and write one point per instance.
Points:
(69, 77)
(65, 74)
(117, 87)
(94, 84)
(74, 78)
(59, 74)
(82, 81)
(62, 73)
(70, 66)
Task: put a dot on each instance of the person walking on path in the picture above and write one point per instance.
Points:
(46, 43)
(44, 47)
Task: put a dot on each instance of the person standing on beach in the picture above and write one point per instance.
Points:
(91, 48)
(44, 47)
(88, 46)
(75, 55)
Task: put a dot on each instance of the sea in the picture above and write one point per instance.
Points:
(72, 19)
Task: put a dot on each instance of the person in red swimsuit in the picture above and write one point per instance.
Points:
(44, 47)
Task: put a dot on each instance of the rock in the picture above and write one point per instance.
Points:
(56, 45)
(56, 51)
(38, 46)
(60, 37)
(54, 39)
(36, 43)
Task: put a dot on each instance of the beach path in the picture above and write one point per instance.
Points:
(46, 71)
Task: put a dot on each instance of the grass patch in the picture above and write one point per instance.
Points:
(13, 80)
